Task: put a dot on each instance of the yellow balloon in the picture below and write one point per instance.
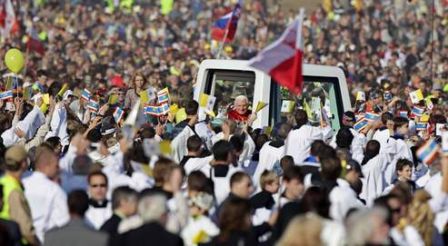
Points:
(14, 60)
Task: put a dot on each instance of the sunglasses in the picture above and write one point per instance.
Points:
(98, 185)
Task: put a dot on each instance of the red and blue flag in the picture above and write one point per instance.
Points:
(224, 28)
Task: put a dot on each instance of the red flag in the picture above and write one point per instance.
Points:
(282, 60)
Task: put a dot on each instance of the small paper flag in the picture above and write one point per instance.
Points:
(118, 114)
(207, 102)
(260, 105)
(63, 90)
(85, 94)
(361, 124)
(429, 104)
(144, 97)
(360, 96)
(372, 116)
(165, 147)
(424, 118)
(44, 108)
(93, 106)
(445, 142)
(46, 98)
(27, 92)
(417, 111)
(428, 152)
(163, 96)
(416, 96)
(287, 106)
(404, 114)
(6, 95)
(421, 126)
(181, 115)
(113, 99)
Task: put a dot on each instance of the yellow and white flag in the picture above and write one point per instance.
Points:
(416, 96)
(207, 102)
(287, 106)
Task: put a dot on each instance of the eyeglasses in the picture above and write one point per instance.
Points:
(98, 185)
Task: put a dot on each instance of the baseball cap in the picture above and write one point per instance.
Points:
(15, 154)
(354, 165)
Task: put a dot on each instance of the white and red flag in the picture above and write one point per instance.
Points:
(8, 20)
(282, 60)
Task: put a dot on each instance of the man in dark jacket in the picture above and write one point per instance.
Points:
(124, 204)
(153, 213)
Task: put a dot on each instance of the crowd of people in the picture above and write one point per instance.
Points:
(73, 173)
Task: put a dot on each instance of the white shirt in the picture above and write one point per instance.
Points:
(397, 149)
(269, 155)
(201, 164)
(97, 216)
(298, 142)
(342, 199)
(372, 183)
(179, 144)
(222, 184)
(382, 136)
(48, 203)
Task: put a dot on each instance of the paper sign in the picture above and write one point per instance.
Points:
(445, 142)
(439, 129)
(287, 106)
(416, 96)
(360, 96)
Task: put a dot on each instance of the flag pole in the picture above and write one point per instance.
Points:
(221, 46)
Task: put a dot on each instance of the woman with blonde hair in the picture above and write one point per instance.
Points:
(418, 225)
(303, 230)
(138, 84)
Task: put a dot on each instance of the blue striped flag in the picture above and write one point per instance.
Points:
(421, 126)
(403, 114)
(163, 96)
(428, 152)
(361, 124)
(118, 114)
(6, 95)
(93, 106)
(152, 110)
(85, 94)
(164, 109)
(372, 116)
(417, 111)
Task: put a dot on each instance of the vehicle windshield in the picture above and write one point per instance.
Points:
(318, 99)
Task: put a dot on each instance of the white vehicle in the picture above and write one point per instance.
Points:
(227, 79)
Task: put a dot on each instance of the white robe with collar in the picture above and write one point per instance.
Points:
(179, 144)
(269, 155)
(396, 149)
(298, 142)
(372, 183)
